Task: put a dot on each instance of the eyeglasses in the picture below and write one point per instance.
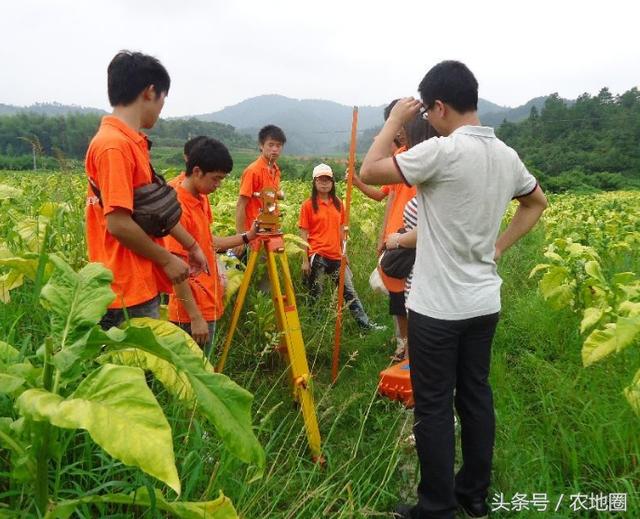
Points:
(424, 113)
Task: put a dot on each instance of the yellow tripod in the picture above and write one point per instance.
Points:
(271, 240)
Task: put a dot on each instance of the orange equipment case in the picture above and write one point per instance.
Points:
(395, 383)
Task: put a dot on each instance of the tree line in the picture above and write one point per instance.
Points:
(67, 137)
(593, 143)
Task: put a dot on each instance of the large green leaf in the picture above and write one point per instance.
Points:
(627, 329)
(629, 308)
(555, 277)
(76, 301)
(26, 264)
(224, 403)
(9, 281)
(537, 268)
(8, 353)
(220, 508)
(120, 413)
(593, 269)
(599, 344)
(632, 393)
(173, 379)
(590, 318)
(10, 383)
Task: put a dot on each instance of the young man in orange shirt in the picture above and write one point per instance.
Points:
(260, 174)
(196, 303)
(117, 162)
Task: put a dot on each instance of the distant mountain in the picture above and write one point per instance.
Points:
(317, 127)
(50, 109)
(495, 117)
(312, 126)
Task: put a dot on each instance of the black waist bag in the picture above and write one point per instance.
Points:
(155, 206)
(397, 263)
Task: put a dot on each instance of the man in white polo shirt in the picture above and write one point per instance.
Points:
(465, 181)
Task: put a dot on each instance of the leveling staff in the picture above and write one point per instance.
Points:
(117, 163)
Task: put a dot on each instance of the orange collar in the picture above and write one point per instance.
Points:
(120, 125)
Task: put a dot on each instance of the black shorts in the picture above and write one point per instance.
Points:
(396, 304)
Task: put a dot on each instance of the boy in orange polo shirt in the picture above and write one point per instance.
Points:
(117, 162)
(260, 174)
(196, 303)
(322, 227)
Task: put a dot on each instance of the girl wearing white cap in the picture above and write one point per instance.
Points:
(322, 227)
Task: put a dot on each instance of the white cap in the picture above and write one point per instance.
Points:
(322, 170)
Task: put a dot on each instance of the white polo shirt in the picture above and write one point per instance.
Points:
(465, 182)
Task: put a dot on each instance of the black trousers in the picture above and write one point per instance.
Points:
(447, 356)
(321, 265)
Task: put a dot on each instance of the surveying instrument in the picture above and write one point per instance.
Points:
(270, 240)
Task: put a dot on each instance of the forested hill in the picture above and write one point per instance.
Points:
(68, 135)
(49, 109)
(592, 143)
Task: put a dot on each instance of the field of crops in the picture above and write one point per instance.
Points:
(565, 373)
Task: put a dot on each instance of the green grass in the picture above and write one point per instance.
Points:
(561, 428)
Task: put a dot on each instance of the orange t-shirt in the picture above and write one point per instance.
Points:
(117, 162)
(324, 228)
(402, 195)
(254, 179)
(206, 288)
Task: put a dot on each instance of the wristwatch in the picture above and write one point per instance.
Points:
(245, 238)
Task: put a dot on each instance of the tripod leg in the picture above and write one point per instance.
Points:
(288, 316)
(242, 293)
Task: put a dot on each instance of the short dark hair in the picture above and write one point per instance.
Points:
(273, 132)
(209, 155)
(192, 143)
(129, 73)
(389, 107)
(450, 82)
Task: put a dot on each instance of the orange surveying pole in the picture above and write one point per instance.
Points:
(343, 260)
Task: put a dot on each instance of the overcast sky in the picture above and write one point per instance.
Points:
(357, 53)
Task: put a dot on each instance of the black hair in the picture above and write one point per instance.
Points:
(273, 132)
(418, 130)
(389, 107)
(450, 82)
(332, 196)
(129, 73)
(209, 155)
(192, 143)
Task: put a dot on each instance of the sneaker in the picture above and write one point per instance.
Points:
(473, 508)
(403, 511)
(370, 326)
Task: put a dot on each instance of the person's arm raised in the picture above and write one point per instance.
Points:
(369, 191)
(378, 167)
